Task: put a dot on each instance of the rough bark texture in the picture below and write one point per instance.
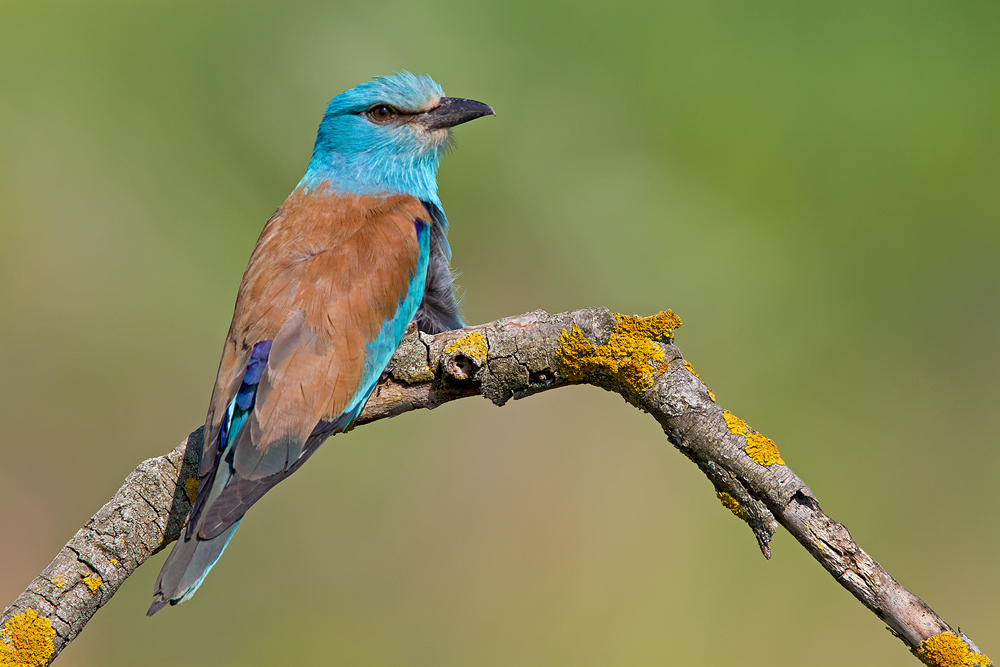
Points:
(510, 358)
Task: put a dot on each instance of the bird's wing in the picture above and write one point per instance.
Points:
(329, 290)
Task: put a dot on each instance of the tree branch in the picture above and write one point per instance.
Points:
(510, 358)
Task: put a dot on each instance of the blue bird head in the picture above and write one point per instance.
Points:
(387, 135)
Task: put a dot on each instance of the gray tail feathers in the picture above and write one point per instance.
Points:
(187, 566)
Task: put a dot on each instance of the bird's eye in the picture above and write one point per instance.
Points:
(380, 113)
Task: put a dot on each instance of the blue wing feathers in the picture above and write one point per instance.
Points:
(236, 415)
(192, 558)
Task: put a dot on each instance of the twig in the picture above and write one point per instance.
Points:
(510, 358)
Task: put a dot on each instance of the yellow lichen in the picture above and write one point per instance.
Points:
(762, 450)
(58, 581)
(948, 650)
(627, 356)
(191, 489)
(759, 447)
(114, 561)
(731, 504)
(736, 425)
(711, 394)
(93, 581)
(26, 640)
(473, 345)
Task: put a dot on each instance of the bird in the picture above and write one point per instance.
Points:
(356, 253)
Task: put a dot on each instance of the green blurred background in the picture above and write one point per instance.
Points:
(813, 187)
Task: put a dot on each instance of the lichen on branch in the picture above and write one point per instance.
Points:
(26, 640)
(948, 650)
(629, 355)
(759, 447)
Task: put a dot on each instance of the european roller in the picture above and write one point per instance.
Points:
(353, 255)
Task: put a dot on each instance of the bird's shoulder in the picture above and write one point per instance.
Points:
(321, 250)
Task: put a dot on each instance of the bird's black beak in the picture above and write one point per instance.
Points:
(454, 111)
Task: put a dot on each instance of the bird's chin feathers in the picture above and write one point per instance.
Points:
(438, 140)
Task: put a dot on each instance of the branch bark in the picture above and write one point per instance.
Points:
(514, 358)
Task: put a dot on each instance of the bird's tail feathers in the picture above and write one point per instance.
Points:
(187, 566)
